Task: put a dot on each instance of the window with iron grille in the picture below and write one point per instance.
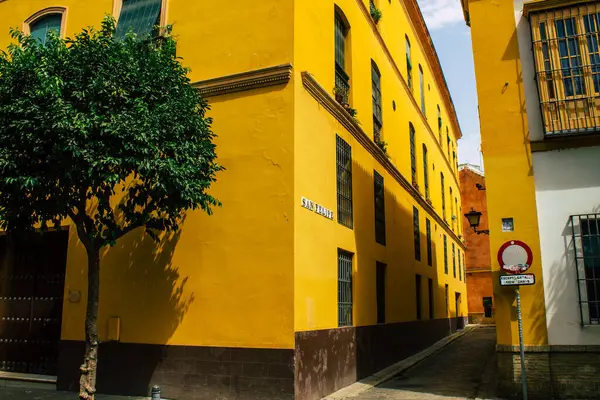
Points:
(342, 79)
(41, 27)
(443, 196)
(380, 289)
(586, 244)
(413, 154)
(408, 64)
(418, 295)
(453, 261)
(138, 16)
(431, 300)
(429, 249)
(422, 86)
(344, 182)
(425, 172)
(344, 288)
(379, 194)
(452, 217)
(567, 63)
(447, 305)
(417, 234)
(376, 94)
(445, 254)
(459, 267)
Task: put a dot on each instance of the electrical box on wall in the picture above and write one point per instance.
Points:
(114, 329)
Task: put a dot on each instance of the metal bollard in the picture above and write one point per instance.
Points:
(155, 392)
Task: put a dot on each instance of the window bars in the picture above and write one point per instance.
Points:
(344, 182)
(567, 65)
(344, 288)
(379, 198)
(342, 80)
(586, 246)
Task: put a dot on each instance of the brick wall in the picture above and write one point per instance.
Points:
(553, 372)
(477, 257)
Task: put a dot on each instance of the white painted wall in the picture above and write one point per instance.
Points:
(567, 183)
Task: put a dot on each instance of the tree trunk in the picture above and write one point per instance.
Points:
(87, 381)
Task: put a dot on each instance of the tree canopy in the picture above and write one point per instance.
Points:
(107, 132)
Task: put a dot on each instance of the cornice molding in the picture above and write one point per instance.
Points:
(323, 97)
(249, 80)
(542, 5)
(410, 93)
(418, 23)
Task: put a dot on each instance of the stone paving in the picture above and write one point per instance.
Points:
(464, 369)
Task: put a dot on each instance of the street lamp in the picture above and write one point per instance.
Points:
(474, 217)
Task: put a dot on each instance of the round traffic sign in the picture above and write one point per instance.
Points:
(515, 257)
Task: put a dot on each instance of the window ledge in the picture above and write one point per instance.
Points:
(565, 141)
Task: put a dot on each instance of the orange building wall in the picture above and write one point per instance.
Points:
(477, 256)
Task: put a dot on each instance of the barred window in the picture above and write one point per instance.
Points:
(344, 288)
(418, 295)
(431, 300)
(380, 288)
(139, 17)
(422, 85)
(567, 63)
(429, 249)
(586, 244)
(408, 64)
(413, 153)
(417, 234)
(344, 182)
(376, 94)
(459, 267)
(379, 194)
(445, 254)
(443, 196)
(453, 261)
(447, 305)
(425, 172)
(342, 79)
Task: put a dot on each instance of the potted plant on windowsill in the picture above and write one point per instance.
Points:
(341, 95)
(376, 14)
(381, 144)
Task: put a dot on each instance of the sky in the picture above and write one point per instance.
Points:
(452, 40)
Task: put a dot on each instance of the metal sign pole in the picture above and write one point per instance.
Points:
(521, 346)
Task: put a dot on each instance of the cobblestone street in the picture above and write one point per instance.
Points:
(465, 369)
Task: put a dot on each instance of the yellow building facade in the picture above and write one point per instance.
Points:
(338, 249)
(538, 87)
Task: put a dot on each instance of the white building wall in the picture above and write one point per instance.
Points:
(567, 183)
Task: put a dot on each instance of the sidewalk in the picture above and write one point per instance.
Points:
(20, 393)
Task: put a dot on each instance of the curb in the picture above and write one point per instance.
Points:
(385, 374)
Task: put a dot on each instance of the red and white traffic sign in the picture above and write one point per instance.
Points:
(515, 257)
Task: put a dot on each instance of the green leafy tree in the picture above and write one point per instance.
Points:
(106, 133)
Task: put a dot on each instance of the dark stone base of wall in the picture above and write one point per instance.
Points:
(481, 319)
(553, 372)
(328, 360)
(183, 372)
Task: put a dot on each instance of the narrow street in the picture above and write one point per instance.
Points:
(464, 369)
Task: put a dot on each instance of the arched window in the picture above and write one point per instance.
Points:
(139, 16)
(44, 21)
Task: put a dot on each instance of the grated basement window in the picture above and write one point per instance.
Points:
(344, 288)
(586, 246)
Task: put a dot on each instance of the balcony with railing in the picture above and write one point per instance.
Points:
(567, 62)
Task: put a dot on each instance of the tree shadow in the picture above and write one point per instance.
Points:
(143, 293)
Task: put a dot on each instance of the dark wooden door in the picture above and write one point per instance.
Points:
(32, 278)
